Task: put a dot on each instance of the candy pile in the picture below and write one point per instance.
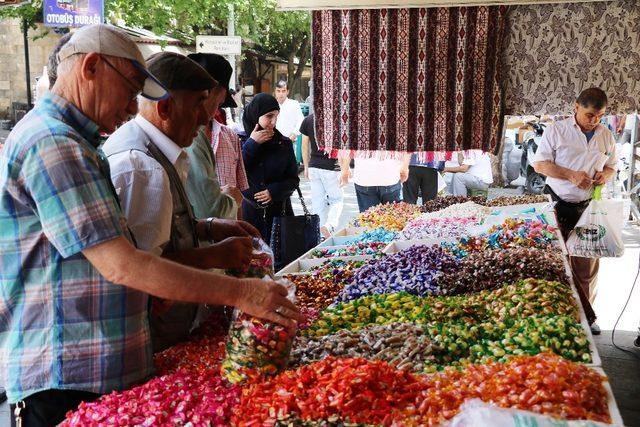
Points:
(414, 270)
(403, 345)
(522, 299)
(391, 216)
(517, 200)
(372, 248)
(379, 234)
(439, 344)
(440, 203)
(373, 392)
(511, 233)
(436, 228)
(201, 399)
(461, 210)
(493, 268)
(196, 355)
(316, 291)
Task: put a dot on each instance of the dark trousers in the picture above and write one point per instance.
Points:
(585, 270)
(377, 195)
(49, 407)
(423, 182)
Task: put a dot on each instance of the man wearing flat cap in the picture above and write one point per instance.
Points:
(149, 170)
(74, 300)
(204, 188)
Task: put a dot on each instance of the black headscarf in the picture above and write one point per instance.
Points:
(260, 105)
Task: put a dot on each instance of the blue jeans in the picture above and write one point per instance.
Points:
(372, 196)
(326, 196)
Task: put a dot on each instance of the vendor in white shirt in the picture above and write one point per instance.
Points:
(291, 116)
(576, 154)
(471, 174)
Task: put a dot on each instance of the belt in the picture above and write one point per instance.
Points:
(556, 198)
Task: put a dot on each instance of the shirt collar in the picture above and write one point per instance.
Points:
(170, 149)
(71, 115)
(575, 124)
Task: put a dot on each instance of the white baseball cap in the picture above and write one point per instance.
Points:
(113, 41)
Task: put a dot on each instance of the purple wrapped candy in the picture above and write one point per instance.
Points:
(415, 270)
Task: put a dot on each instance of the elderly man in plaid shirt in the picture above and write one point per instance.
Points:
(74, 290)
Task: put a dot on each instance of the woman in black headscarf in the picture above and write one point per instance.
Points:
(270, 164)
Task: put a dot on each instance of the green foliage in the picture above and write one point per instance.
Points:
(32, 12)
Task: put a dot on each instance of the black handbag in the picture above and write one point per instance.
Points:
(292, 236)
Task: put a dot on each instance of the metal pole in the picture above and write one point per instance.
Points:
(231, 31)
(26, 62)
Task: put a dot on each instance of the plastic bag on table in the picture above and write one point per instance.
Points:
(256, 347)
(598, 233)
(476, 413)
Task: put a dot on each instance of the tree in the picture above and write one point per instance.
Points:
(283, 34)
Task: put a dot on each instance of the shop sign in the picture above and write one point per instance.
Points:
(72, 13)
(222, 45)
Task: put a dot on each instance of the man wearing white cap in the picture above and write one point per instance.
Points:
(73, 306)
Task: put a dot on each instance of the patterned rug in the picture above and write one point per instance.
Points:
(418, 80)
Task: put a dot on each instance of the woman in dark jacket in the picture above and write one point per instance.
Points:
(270, 164)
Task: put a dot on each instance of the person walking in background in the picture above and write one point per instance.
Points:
(270, 164)
(290, 117)
(472, 174)
(379, 181)
(575, 155)
(422, 181)
(327, 177)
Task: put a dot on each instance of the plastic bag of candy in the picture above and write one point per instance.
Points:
(261, 264)
(256, 347)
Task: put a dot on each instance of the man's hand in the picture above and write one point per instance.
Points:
(404, 175)
(581, 180)
(600, 178)
(344, 178)
(267, 300)
(223, 228)
(306, 172)
(293, 137)
(261, 136)
(233, 192)
(233, 252)
(263, 197)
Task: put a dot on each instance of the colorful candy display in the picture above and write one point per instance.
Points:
(493, 268)
(517, 200)
(379, 234)
(461, 210)
(436, 228)
(373, 392)
(526, 298)
(372, 248)
(201, 399)
(256, 347)
(391, 216)
(511, 233)
(414, 270)
(440, 203)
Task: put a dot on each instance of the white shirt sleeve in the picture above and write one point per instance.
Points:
(547, 148)
(141, 182)
(299, 117)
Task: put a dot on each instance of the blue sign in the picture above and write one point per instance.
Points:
(72, 13)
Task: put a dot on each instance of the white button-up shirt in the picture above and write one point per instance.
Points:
(566, 145)
(144, 189)
(290, 118)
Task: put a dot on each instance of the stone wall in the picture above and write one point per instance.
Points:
(13, 87)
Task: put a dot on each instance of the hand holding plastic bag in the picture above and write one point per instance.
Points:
(598, 233)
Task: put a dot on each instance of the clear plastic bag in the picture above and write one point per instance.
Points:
(476, 413)
(256, 347)
(598, 233)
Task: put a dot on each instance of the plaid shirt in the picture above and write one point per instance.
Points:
(228, 151)
(62, 325)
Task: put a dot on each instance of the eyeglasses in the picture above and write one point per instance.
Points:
(135, 88)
